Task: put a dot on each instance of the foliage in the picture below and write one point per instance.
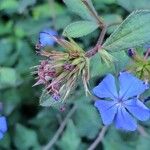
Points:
(31, 126)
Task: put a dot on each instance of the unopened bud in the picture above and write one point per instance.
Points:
(131, 52)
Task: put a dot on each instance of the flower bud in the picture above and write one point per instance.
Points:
(140, 67)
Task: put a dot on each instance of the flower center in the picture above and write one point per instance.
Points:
(120, 102)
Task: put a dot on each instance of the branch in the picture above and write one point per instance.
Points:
(147, 54)
(98, 46)
(60, 130)
(102, 35)
(93, 13)
(102, 26)
(98, 139)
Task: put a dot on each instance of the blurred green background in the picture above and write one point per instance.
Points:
(30, 126)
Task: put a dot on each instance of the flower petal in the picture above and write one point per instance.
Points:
(123, 120)
(107, 109)
(45, 38)
(107, 88)
(3, 124)
(137, 109)
(130, 86)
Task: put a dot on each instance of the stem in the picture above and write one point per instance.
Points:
(142, 131)
(98, 46)
(92, 52)
(147, 54)
(94, 14)
(60, 130)
(102, 35)
(98, 139)
(102, 26)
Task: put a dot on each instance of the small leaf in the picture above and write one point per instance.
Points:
(131, 5)
(133, 32)
(80, 28)
(78, 7)
(70, 138)
(111, 19)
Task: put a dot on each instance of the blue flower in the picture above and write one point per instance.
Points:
(45, 37)
(121, 106)
(3, 126)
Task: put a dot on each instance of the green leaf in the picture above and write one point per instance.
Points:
(119, 142)
(80, 28)
(87, 120)
(61, 23)
(9, 78)
(105, 1)
(70, 138)
(25, 27)
(131, 5)
(45, 119)
(5, 142)
(11, 97)
(78, 7)
(112, 19)
(6, 28)
(27, 57)
(23, 4)
(25, 138)
(121, 62)
(98, 68)
(143, 143)
(6, 47)
(9, 6)
(133, 32)
(40, 11)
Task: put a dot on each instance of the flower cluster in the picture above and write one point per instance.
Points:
(121, 105)
(60, 69)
